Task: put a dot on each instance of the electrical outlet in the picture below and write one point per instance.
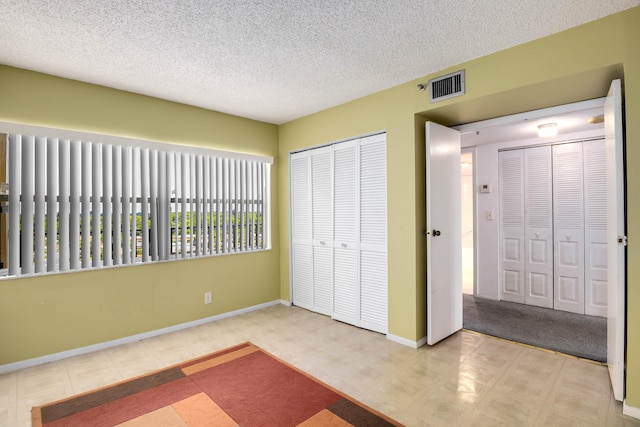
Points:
(489, 215)
(207, 297)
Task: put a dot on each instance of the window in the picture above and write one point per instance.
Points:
(76, 204)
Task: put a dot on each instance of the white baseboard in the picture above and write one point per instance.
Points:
(10, 367)
(630, 411)
(408, 343)
(285, 302)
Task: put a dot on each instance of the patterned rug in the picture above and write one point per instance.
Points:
(240, 386)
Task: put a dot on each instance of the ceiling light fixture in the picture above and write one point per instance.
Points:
(547, 130)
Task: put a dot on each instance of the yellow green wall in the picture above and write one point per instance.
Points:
(47, 314)
(571, 66)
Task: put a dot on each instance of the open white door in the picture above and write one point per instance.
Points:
(444, 233)
(616, 238)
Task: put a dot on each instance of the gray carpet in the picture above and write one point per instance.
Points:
(578, 335)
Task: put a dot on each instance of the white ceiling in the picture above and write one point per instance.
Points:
(271, 60)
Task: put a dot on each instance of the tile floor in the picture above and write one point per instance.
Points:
(468, 379)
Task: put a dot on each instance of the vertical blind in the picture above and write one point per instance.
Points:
(77, 204)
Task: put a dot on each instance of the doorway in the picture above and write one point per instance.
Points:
(485, 144)
(611, 107)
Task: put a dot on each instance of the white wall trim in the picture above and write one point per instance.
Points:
(285, 302)
(408, 343)
(630, 411)
(10, 367)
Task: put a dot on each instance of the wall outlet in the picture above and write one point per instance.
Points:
(489, 215)
(207, 297)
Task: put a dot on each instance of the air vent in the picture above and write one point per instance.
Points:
(446, 86)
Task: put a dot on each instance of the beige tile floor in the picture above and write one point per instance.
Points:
(468, 379)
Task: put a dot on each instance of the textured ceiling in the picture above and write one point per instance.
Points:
(272, 60)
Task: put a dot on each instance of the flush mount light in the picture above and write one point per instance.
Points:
(595, 120)
(547, 130)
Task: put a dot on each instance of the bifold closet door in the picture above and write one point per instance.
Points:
(526, 232)
(312, 229)
(538, 230)
(301, 250)
(322, 228)
(339, 231)
(373, 233)
(511, 263)
(346, 280)
(595, 207)
(568, 212)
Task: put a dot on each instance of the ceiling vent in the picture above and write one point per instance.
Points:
(446, 86)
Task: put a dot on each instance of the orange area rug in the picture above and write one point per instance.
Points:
(240, 386)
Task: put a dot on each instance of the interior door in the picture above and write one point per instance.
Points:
(511, 263)
(373, 233)
(568, 227)
(595, 231)
(301, 248)
(538, 235)
(346, 285)
(322, 229)
(616, 238)
(444, 247)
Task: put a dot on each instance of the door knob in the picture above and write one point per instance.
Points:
(435, 232)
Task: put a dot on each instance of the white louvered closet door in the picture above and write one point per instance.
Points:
(302, 249)
(595, 207)
(322, 228)
(346, 288)
(511, 264)
(568, 210)
(373, 233)
(538, 230)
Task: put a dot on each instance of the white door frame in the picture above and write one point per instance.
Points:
(474, 183)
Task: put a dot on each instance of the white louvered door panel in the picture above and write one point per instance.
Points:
(346, 307)
(595, 207)
(373, 233)
(538, 235)
(322, 228)
(300, 197)
(568, 210)
(302, 260)
(511, 263)
(302, 250)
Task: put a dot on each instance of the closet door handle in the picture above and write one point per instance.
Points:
(344, 245)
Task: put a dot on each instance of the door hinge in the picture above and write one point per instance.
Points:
(622, 240)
